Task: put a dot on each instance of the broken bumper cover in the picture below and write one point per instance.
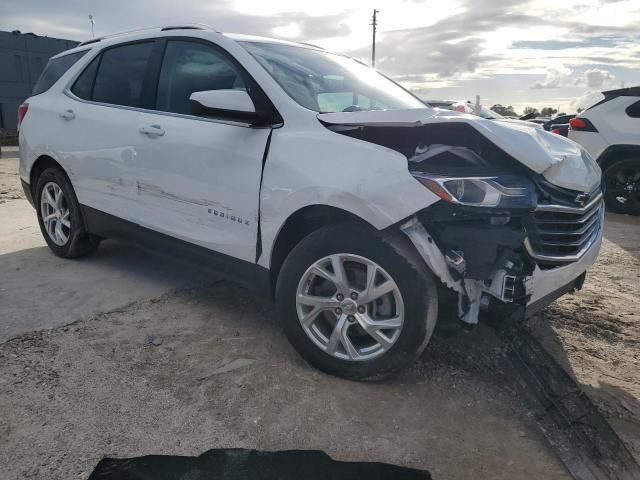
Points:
(541, 285)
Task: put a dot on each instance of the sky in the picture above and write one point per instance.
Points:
(556, 53)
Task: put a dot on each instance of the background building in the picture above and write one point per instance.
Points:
(22, 58)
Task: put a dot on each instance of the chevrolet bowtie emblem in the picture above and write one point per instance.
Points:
(582, 199)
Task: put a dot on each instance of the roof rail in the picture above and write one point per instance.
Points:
(311, 45)
(159, 28)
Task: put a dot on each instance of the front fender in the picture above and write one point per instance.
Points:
(319, 167)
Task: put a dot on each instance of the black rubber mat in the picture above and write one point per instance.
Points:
(241, 464)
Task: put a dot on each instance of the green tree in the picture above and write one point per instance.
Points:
(505, 111)
(528, 110)
(548, 111)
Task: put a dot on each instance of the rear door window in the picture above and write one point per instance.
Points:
(56, 67)
(121, 74)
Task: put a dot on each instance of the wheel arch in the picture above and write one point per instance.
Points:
(614, 153)
(299, 225)
(40, 165)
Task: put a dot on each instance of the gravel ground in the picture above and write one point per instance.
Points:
(595, 334)
(207, 367)
(10, 187)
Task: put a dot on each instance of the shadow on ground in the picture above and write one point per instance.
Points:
(624, 231)
(39, 290)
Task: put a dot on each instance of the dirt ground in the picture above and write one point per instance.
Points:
(10, 187)
(595, 334)
(189, 368)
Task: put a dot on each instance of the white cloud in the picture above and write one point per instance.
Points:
(555, 78)
(595, 78)
(498, 49)
(586, 100)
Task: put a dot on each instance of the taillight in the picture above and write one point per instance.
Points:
(556, 131)
(582, 125)
(22, 111)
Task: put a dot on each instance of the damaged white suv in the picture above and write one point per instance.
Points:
(311, 176)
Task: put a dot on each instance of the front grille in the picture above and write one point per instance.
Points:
(560, 234)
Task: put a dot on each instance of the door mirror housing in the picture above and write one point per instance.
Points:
(228, 104)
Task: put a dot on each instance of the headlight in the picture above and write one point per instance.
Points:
(497, 191)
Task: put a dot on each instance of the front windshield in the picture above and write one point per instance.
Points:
(326, 82)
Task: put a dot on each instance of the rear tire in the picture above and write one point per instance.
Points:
(387, 262)
(622, 186)
(59, 216)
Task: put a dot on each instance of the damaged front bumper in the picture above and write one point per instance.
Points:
(543, 284)
(523, 277)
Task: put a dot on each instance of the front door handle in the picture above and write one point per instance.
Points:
(152, 131)
(68, 115)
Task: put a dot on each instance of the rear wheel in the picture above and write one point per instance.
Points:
(622, 186)
(356, 303)
(59, 216)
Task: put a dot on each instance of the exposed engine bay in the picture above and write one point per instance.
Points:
(500, 228)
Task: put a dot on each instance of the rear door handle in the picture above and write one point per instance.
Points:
(68, 115)
(152, 131)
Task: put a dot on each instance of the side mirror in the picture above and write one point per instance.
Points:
(234, 105)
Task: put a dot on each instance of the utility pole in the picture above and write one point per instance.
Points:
(374, 24)
(92, 25)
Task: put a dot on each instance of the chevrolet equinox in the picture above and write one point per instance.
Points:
(312, 177)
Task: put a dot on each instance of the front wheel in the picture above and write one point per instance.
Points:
(622, 186)
(356, 303)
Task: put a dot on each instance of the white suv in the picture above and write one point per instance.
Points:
(312, 177)
(610, 132)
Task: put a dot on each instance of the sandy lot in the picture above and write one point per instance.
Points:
(126, 354)
(10, 188)
(595, 334)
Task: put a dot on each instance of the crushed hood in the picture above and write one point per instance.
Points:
(519, 122)
(560, 160)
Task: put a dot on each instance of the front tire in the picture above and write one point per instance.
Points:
(356, 303)
(59, 216)
(622, 186)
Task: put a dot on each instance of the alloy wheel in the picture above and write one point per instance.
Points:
(350, 307)
(624, 187)
(55, 213)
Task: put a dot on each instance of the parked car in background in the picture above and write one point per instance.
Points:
(444, 104)
(560, 129)
(468, 107)
(610, 132)
(559, 120)
(312, 177)
(538, 121)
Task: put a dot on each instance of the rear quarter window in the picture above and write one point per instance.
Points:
(83, 87)
(56, 67)
(633, 110)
